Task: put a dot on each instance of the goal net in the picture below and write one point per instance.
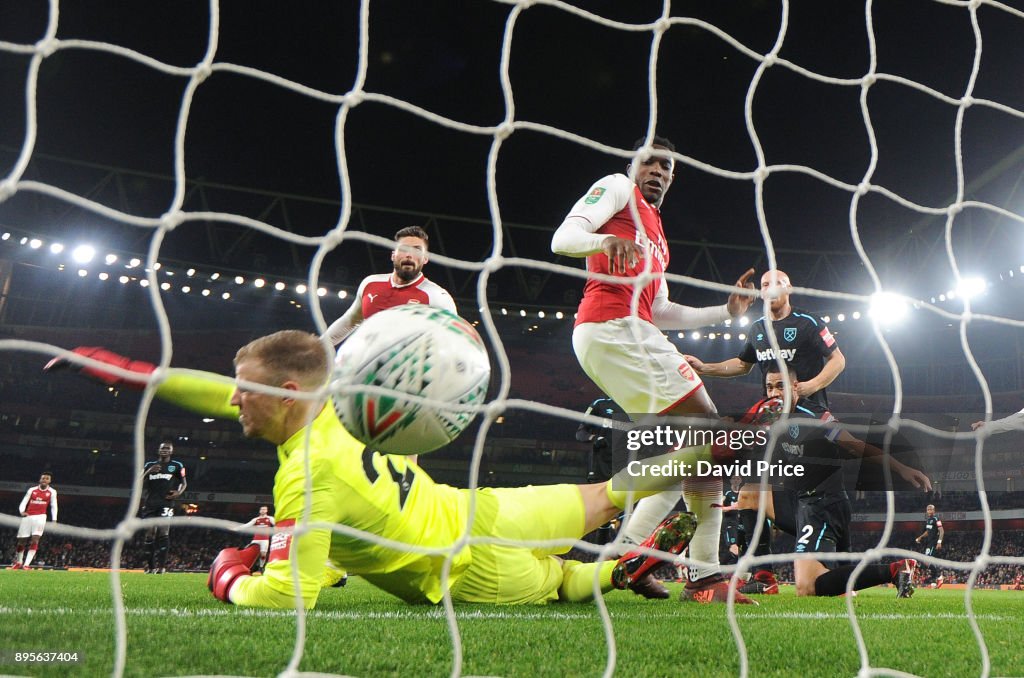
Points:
(178, 178)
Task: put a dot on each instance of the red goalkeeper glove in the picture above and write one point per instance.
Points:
(230, 565)
(143, 369)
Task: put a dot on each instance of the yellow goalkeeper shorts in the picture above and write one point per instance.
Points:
(509, 574)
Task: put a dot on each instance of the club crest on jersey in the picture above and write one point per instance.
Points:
(789, 334)
(594, 196)
(794, 430)
(685, 371)
(760, 337)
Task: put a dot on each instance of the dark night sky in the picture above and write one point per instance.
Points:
(565, 71)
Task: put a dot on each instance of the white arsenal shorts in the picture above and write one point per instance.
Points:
(32, 526)
(634, 364)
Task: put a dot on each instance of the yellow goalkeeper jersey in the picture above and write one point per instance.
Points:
(375, 494)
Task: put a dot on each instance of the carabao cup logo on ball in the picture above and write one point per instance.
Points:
(410, 379)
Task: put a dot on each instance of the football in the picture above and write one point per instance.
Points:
(410, 350)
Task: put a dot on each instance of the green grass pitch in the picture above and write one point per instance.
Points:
(175, 627)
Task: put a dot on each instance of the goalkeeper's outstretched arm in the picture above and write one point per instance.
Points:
(290, 555)
(199, 392)
(189, 389)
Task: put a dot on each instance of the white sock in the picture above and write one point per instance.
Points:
(648, 514)
(700, 494)
(28, 558)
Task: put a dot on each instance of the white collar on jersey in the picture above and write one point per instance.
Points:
(408, 284)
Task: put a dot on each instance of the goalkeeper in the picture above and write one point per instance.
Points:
(391, 498)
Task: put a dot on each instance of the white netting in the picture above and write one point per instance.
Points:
(956, 96)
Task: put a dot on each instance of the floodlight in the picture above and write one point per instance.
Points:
(83, 254)
(887, 308)
(970, 287)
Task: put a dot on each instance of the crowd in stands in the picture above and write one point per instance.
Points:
(962, 547)
(189, 551)
(911, 502)
(191, 548)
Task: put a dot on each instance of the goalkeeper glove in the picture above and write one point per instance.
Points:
(230, 565)
(143, 369)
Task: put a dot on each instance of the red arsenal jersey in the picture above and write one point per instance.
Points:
(607, 300)
(37, 501)
(379, 292)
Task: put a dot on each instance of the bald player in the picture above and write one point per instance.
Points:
(809, 351)
(805, 345)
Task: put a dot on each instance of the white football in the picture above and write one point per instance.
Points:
(410, 350)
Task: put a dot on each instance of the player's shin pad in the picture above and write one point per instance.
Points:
(833, 582)
(163, 542)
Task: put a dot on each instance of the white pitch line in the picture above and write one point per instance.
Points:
(873, 615)
(313, 614)
(474, 614)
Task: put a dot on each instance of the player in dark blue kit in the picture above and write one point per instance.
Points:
(163, 481)
(933, 532)
(599, 461)
(808, 349)
(805, 344)
(731, 542)
(816, 509)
